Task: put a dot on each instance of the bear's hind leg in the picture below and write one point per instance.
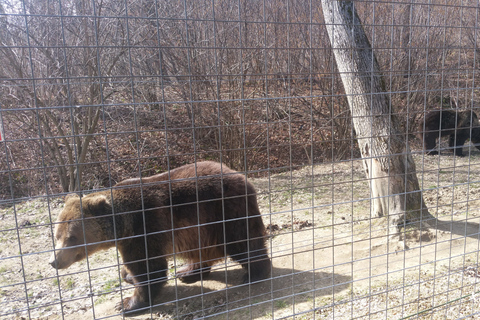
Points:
(259, 265)
(194, 272)
(254, 259)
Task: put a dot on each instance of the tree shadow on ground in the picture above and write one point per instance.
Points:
(462, 228)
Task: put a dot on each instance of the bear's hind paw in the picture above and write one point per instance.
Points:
(248, 278)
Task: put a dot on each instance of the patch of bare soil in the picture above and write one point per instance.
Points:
(330, 258)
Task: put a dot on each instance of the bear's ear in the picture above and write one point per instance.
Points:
(97, 205)
(71, 196)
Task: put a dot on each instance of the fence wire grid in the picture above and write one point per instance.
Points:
(218, 100)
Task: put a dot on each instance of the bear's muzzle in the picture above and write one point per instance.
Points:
(53, 263)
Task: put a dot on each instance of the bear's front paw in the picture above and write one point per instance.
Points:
(130, 304)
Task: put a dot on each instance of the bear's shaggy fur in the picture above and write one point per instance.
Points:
(200, 212)
(456, 124)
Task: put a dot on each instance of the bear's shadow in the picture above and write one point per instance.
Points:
(222, 291)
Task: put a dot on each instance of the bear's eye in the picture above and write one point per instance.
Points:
(72, 239)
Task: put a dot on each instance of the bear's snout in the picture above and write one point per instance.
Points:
(63, 258)
(57, 259)
(53, 263)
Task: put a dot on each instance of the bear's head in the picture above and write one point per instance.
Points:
(80, 229)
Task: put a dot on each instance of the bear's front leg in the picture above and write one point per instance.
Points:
(147, 285)
(148, 281)
(456, 143)
(127, 277)
(430, 141)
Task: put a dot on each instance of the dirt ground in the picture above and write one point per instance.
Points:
(330, 258)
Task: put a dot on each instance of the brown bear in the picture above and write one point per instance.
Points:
(199, 212)
(460, 126)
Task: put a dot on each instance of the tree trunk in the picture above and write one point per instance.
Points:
(388, 163)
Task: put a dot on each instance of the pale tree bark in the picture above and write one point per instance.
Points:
(387, 161)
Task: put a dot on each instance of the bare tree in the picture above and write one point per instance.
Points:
(46, 78)
(386, 157)
(209, 70)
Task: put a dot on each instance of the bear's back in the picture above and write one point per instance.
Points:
(449, 119)
(189, 171)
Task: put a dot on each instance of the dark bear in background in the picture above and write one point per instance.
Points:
(456, 124)
(199, 212)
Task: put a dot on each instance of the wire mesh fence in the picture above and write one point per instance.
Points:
(200, 159)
